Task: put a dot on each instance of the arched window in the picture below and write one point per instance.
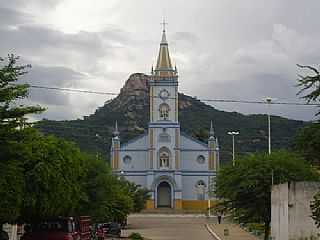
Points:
(164, 111)
(200, 190)
(164, 158)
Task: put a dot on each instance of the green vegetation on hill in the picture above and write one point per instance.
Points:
(131, 110)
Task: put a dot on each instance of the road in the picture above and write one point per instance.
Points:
(169, 227)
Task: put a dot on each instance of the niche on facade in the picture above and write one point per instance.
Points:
(164, 158)
(164, 111)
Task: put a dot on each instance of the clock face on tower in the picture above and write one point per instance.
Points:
(164, 94)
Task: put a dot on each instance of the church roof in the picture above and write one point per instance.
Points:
(164, 66)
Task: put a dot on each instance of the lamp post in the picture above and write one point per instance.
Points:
(269, 100)
(233, 134)
(121, 176)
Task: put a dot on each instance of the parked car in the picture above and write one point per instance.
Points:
(108, 229)
(62, 228)
(113, 229)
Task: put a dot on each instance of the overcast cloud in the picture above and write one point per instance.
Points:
(223, 49)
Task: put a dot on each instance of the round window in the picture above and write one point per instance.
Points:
(201, 159)
(127, 159)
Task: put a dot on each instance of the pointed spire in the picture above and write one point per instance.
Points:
(116, 131)
(164, 37)
(164, 67)
(211, 132)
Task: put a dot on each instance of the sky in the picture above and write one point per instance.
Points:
(226, 49)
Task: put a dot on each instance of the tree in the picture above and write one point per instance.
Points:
(44, 176)
(53, 172)
(246, 187)
(12, 121)
(311, 84)
(307, 143)
(11, 114)
(139, 195)
(106, 197)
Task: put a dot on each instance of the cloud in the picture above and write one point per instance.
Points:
(223, 49)
(10, 17)
(51, 76)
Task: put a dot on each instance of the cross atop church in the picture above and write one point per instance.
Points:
(164, 23)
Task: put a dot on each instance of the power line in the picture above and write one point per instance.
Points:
(73, 90)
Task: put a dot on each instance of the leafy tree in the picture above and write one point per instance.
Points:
(44, 176)
(311, 84)
(139, 195)
(12, 122)
(246, 187)
(106, 197)
(12, 115)
(307, 143)
(53, 171)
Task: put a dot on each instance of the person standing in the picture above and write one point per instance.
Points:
(219, 217)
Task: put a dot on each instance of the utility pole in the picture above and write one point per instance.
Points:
(233, 134)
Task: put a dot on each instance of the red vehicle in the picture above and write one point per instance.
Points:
(62, 228)
(100, 233)
(83, 227)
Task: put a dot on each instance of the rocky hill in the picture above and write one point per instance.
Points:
(131, 109)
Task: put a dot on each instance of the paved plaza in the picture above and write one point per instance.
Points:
(163, 227)
(182, 227)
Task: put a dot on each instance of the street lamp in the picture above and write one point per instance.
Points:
(269, 100)
(121, 176)
(233, 134)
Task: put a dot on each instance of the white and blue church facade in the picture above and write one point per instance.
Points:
(175, 167)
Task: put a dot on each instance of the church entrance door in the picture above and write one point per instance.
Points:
(164, 195)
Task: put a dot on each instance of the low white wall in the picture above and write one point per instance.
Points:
(11, 230)
(291, 213)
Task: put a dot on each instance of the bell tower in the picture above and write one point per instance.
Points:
(164, 127)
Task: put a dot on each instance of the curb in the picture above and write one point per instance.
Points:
(212, 232)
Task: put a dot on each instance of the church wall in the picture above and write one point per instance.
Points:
(138, 160)
(137, 151)
(137, 179)
(189, 160)
(189, 181)
(190, 151)
(159, 144)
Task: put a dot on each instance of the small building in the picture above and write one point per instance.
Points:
(175, 167)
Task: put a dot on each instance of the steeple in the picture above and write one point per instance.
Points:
(116, 131)
(164, 66)
(211, 132)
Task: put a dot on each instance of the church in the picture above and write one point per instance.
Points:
(177, 169)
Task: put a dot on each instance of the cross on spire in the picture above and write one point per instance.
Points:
(164, 23)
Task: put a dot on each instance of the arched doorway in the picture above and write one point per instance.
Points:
(164, 195)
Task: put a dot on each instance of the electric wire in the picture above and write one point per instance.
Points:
(73, 90)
